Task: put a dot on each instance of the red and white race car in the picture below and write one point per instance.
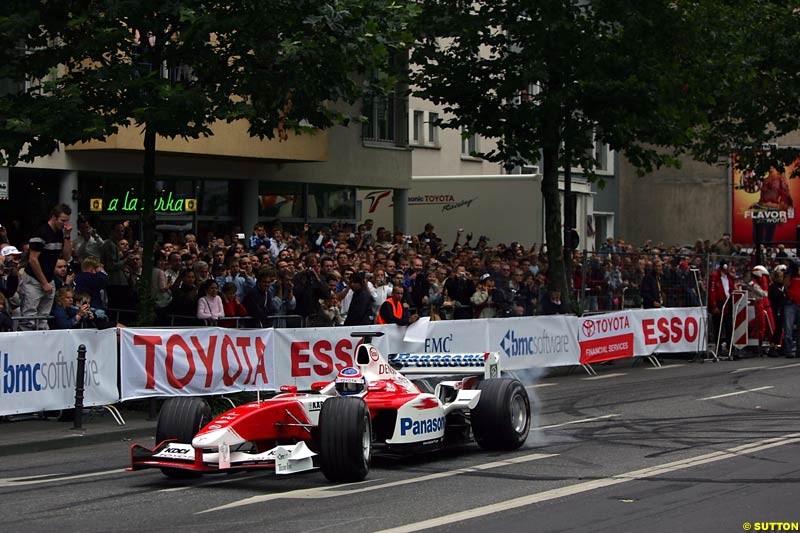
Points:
(371, 407)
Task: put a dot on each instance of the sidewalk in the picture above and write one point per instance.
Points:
(26, 434)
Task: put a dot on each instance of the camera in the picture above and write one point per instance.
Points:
(240, 236)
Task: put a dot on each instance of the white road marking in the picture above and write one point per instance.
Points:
(747, 368)
(604, 376)
(581, 421)
(539, 385)
(663, 367)
(784, 366)
(599, 483)
(51, 478)
(736, 393)
(331, 492)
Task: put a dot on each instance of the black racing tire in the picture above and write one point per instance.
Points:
(181, 419)
(345, 439)
(502, 418)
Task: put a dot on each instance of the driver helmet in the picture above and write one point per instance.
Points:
(350, 381)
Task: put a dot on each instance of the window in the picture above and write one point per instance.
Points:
(380, 114)
(469, 144)
(418, 127)
(433, 129)
(601, 153)
(527, 95)
(280, 200)
(331, 201)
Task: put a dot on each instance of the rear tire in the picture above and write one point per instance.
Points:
(502, 418)
(345, 443)
(180, 420)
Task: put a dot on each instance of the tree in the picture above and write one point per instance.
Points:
(545, 79)
(173, 69)
(753, 56)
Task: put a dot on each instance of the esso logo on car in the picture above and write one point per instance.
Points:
(321, 358)
(670, 330)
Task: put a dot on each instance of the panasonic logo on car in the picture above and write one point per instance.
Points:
(514, 346)
(421, 427)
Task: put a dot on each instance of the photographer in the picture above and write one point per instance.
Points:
(87, 241)
(9, 271)
(68, 315)
(283, 300)
(459, 288)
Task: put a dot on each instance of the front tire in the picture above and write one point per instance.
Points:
(345, 444)
(180, 420)
(502, 418)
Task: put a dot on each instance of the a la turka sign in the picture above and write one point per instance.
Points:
(128, 203)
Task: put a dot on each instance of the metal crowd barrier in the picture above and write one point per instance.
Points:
(34, 318)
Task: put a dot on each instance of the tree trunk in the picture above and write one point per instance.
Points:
(552, 220)
(146, 316)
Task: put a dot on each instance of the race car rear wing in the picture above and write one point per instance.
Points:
(408, 364)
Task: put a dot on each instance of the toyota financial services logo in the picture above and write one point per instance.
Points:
(588, 328)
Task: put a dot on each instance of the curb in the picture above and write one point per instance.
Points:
(73, 438)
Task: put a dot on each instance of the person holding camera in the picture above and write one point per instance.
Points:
(113, 257)
(87, 242)
(68, 314)
(283, 300)
(9, 271)
(459, 288)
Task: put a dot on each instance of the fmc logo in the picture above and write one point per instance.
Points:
(513, 345)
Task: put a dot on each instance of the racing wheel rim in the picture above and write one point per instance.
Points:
(519, 413)
(366, 439)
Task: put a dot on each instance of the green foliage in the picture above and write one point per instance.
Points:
(654, 80)
(81, 69)
(279, 64)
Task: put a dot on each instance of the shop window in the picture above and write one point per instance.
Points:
(218, 198)
(280, 200)
(331, 201)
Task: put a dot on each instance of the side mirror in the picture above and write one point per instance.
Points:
(289, 388)
(319, 385)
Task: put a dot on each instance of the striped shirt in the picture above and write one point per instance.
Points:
(49, 243)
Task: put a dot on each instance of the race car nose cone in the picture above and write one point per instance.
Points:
(216, 437)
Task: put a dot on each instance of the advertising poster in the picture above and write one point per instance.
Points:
(197, 361)
(764, 206)
(40, 369)
(605, 337)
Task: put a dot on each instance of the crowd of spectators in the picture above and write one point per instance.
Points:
(339, 274)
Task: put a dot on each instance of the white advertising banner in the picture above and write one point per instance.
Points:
(161, 362)
(669, 330)
(306, 355)
(39, 369)
(170, 362)
(530, 342)
(450, 336)
(604, 337)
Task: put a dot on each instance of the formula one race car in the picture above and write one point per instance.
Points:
(337, 426)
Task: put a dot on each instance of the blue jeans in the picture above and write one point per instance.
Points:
(791, 317)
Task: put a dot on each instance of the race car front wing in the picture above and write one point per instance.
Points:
(285, 459)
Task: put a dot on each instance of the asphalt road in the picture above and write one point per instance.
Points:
(688, 447)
